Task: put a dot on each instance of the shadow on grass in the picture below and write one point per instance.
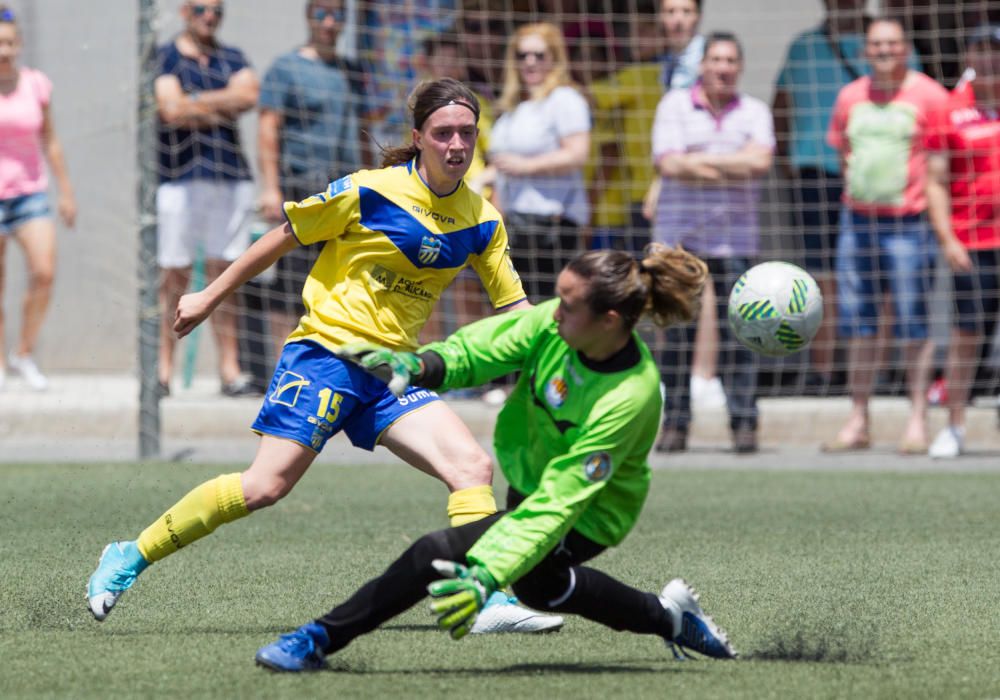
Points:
(833, 646)
(526, 670)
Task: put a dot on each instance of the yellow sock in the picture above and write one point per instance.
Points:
(202, 510)
(470, 505)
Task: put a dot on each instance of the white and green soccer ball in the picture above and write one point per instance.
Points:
(775, 308)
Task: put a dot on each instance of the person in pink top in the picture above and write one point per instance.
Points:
(884, 126)
(26, 139)
(963, 197)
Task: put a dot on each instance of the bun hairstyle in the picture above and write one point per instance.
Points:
(666, 284)
(427, 98)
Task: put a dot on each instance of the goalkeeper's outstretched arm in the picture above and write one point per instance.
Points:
(194, 308)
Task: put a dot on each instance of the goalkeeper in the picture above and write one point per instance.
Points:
(572, 440)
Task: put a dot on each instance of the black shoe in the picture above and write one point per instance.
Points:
(672, 440)
(162, 390)
(817, 384)
(745, 441)
(241, 386)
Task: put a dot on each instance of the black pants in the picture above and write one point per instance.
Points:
(540, 246)
(737, 364)
(557, 584)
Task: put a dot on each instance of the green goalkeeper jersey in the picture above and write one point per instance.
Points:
(573, 436)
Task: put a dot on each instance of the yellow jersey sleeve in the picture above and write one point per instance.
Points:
(325, 215)
(496, 270)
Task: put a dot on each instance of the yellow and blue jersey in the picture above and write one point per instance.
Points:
(392, 247)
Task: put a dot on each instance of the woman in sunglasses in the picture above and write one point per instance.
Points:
(27, 138)
(538, 149)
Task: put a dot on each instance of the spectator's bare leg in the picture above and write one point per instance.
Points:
(173, 283)
(224, 327)
(822, 351)
(706, 341)
(281, 326)
(962, 359)
(861, 377)
(918, 363)
(3, 266)
(38, 238)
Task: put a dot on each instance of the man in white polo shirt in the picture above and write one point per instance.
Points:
(711, 146)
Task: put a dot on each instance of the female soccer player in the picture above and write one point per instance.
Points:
(26, 135)
(395, 238)
(572, 441)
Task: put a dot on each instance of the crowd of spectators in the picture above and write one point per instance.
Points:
(613, 129)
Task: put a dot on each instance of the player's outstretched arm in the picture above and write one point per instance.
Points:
(194, 308)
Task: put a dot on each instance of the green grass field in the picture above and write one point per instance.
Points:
(830, 585)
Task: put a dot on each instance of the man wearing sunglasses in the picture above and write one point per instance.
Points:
(309, 134)
(206, 193)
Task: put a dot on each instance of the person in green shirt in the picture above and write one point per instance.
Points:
(572, 440)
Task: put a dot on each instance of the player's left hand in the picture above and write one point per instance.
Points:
(459, 596)
(397, 369)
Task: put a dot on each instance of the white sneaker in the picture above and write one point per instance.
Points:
(707, 393)
(501, 614)
(495, 396)
(26, 367)
(949, 443)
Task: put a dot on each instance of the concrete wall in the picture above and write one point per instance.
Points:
(89, 52)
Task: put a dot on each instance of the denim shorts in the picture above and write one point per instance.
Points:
(977, 293)
(18, 210)
(880, 257)
(314, 395)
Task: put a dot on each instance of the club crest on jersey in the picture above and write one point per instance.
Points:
(556, 392)
(597, 466)
(430, 249)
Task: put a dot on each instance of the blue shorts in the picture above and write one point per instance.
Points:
(977, 293)
(314, 395)
(879, 256)
(19, 210)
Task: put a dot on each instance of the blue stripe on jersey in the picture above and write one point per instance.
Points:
(422, 247)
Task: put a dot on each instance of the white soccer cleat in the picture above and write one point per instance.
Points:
(501, 614)
(949, 443)
(693, 629)
(26, 367)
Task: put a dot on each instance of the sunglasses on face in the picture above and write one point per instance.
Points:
(537, 55)
(319, 14)
(199, 10)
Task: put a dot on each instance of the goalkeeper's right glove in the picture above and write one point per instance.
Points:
(459, 596)
(397, 369)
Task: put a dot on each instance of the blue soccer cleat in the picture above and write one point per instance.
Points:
(302, 650)
(117, 569)
(693, 629)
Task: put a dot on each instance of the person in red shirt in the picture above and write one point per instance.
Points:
(963, 198)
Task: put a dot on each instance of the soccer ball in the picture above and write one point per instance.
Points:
(775, 308)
